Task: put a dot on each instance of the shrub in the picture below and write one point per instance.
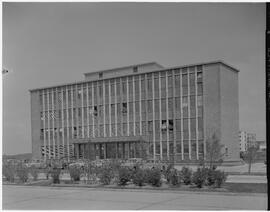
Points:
(55, 174)
(199, 177)
(9, 172)
(34, 172)
(167, 172)
(186, 174)
(173, 177)
(75, 172)
(22, 172)
(91, 171)
(154, 177)
(115, 165)
(139, 177)
(220, 178)
(210, 176)
(106, 174)
(124, 176)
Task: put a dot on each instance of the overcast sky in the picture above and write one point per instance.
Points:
(50, 43)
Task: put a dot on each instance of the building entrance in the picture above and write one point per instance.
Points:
(111, 150)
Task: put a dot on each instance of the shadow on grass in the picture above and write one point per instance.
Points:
(246, 187)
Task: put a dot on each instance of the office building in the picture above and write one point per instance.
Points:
(139, 111)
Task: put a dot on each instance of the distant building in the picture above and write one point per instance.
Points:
(246, 140)
(251, 139)
(137, 111)
(261, 145)
(243, 141)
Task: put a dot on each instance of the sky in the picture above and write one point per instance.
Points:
(47, 44)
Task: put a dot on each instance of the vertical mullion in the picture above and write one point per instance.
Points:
(67, 122)
(181, 106)
(49, 117)
(189, 141)
(110, 109)
(82, 113)
(140, 104)
(87, 109)
(44, 124)
(53, 120)
(121, 105)
(104, 109)
(134, 112)
(153, 113)
(98, 107)
(93, 111)
(167, 113)
(127, 106)
(116, 105)
(160, 115)
(146, 113)
(62, 111)
(72, 115)
(196, 115)
(174, 113)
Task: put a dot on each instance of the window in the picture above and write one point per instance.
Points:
(100, 75)
(178, 124)
(150, 126)
(226, 152)
(135, 69)
(199, 101)
(199, 68)
(185, 102)
(178, 148)
(41, 134)
(95, 112)
(150, 106)
(171, 125)
(163, 125)
(124, 107)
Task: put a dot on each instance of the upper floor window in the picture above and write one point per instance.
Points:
(135, 69)
(100, 75)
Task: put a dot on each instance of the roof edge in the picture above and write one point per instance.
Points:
(128, 66)
(175, 67)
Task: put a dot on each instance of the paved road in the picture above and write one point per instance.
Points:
(48, 198)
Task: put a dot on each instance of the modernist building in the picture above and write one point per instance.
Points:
(142, 110)
(243, 141)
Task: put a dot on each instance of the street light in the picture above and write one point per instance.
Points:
(4, 71)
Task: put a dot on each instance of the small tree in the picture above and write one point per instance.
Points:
(213, 151)
(250, 156)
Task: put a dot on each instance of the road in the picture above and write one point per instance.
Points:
(53, 198)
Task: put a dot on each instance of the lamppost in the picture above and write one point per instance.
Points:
(4, 71)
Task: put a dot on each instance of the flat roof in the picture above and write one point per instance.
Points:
(124, 67)
(161, 69)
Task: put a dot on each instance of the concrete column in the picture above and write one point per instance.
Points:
(105, 150)
(116, 148)
(128, 149)
(123, 150)
(100, 150)
(77, 150)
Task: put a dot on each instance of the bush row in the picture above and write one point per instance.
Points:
(10, 171)
(113, 171)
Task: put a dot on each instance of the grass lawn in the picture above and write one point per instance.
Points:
(246, 187)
